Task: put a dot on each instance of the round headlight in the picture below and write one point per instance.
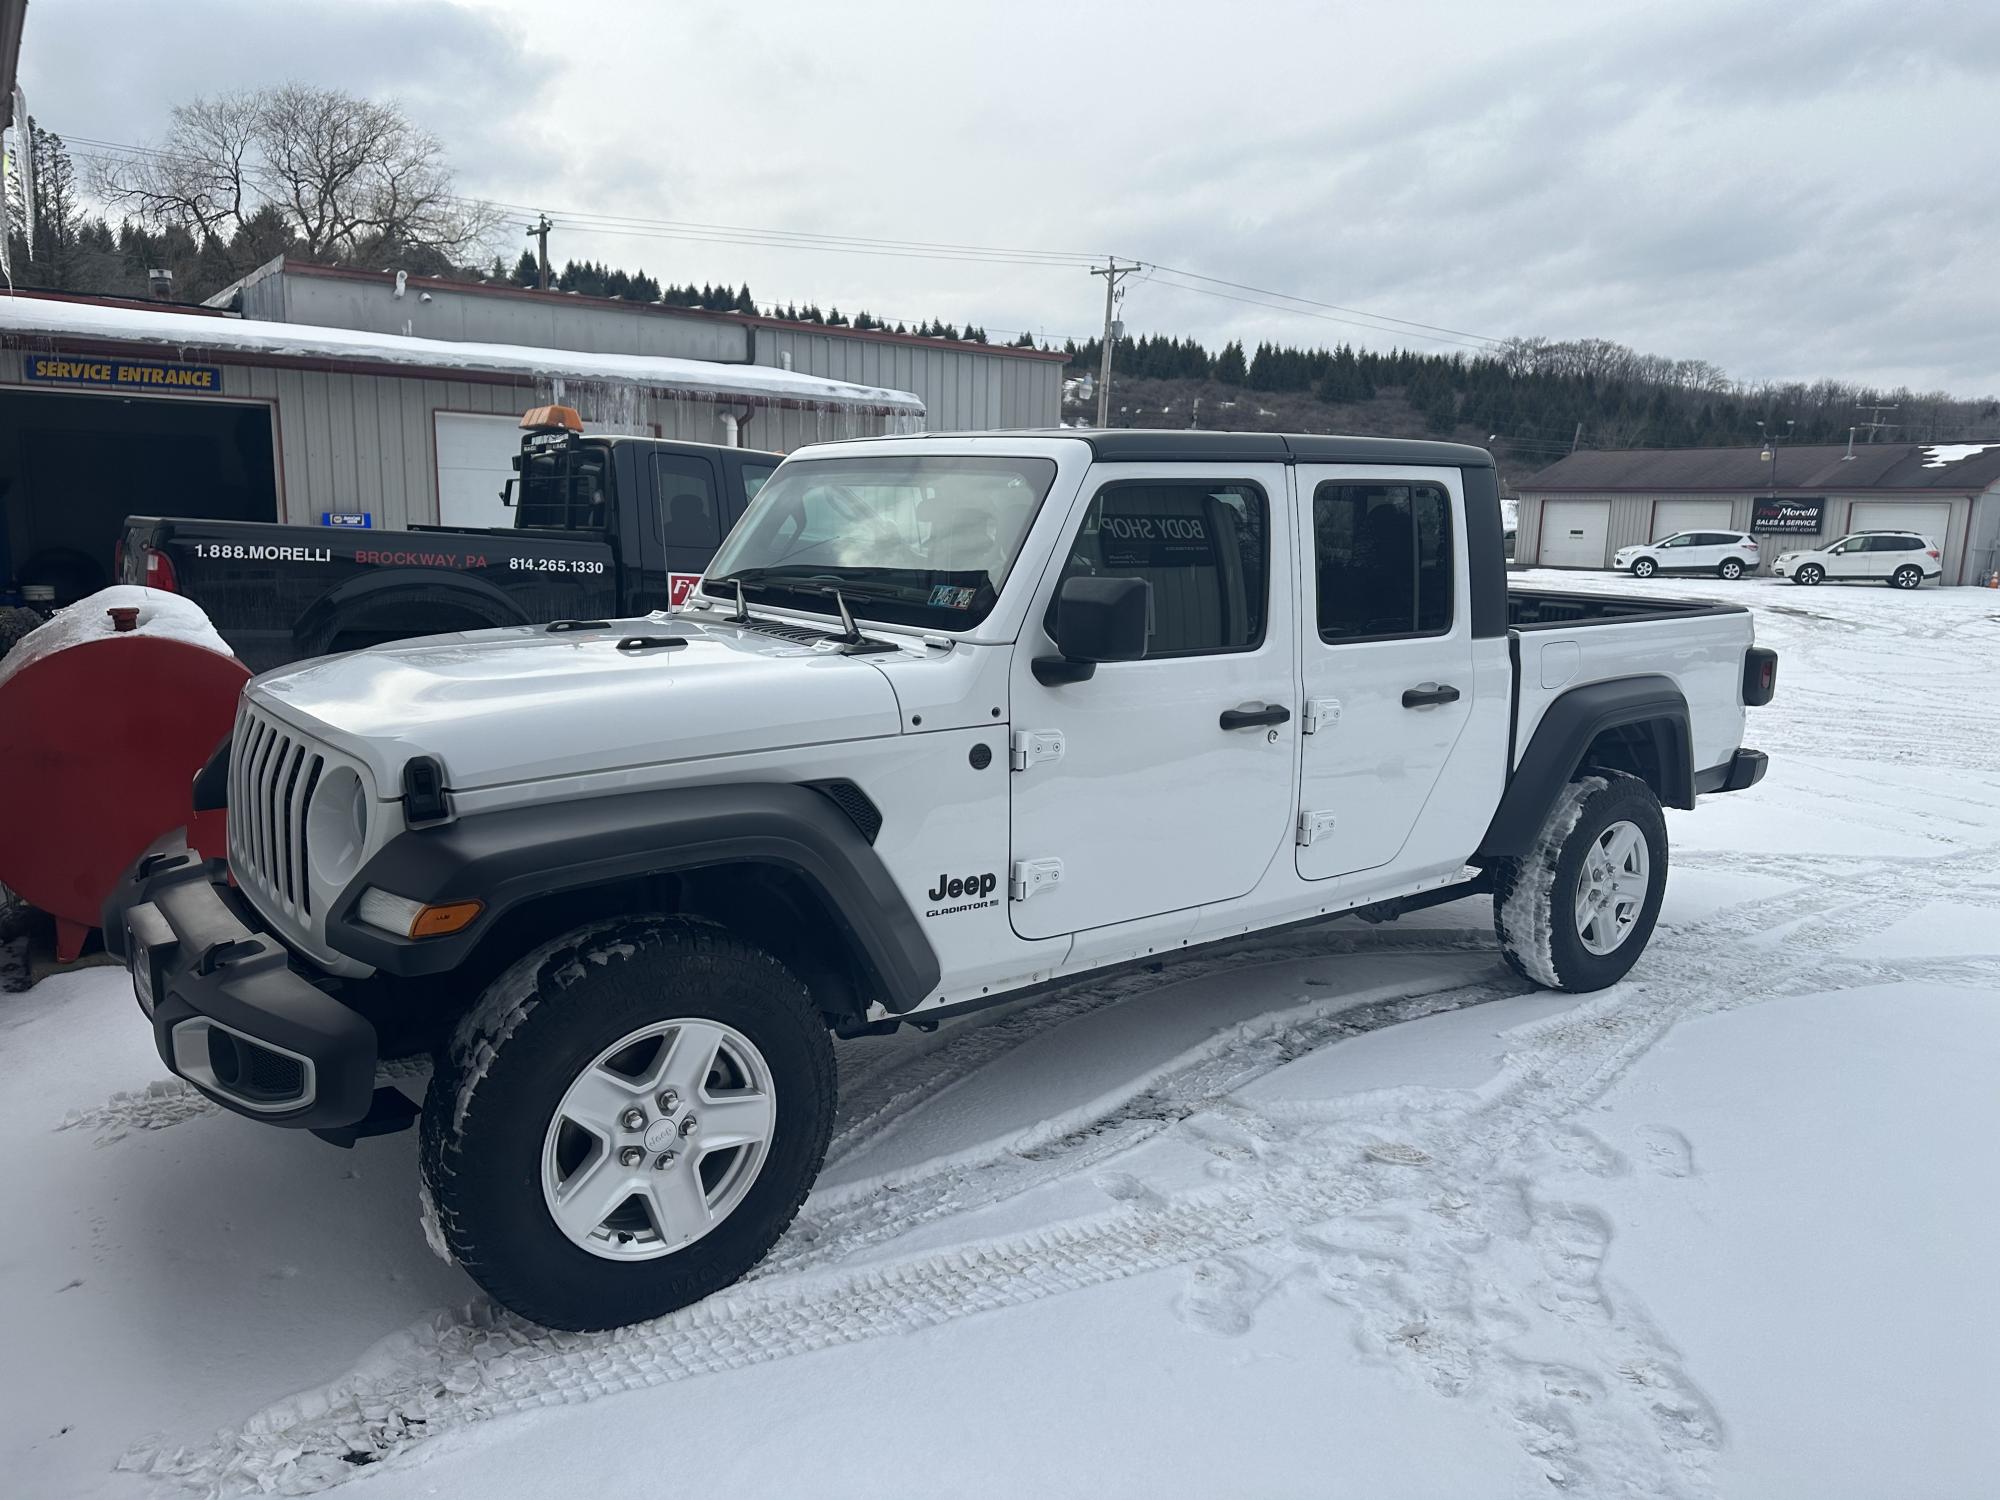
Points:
(337, 825)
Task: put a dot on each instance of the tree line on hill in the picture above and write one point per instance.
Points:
(1538, 394)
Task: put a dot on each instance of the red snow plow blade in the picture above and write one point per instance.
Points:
(103, 725)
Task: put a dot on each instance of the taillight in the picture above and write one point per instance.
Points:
(118, 560)
(160, 571)
(1760, 676)
(1932, 553)
(1750, 544)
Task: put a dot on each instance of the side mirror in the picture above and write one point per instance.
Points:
(507, 493)
(1097, 619)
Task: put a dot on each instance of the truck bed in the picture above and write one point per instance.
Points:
(1546, 609)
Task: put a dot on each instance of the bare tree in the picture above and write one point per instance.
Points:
(354, 179)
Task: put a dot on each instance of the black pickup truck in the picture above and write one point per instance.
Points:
(603, 527)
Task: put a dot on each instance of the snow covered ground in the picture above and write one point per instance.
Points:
(1348, 1212)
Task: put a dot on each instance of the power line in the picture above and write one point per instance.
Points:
(1301, 312)
(757, 237)
(1481, 338)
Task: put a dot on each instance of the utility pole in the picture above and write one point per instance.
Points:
(539, 232)
(1576, 437)
(1111, 272)
(1876, 423)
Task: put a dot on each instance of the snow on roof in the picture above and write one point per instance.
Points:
(1937, 455)
(35, 316)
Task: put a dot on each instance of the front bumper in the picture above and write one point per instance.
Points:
(230, 1014)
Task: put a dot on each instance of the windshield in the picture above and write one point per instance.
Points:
(911, 540)
(565, 488)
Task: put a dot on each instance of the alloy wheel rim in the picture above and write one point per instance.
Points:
(1611, 889)
(659, 1139)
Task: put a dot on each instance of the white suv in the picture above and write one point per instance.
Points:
(1901, 559)
(1730, 554)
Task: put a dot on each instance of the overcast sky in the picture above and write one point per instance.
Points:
(1787, 190)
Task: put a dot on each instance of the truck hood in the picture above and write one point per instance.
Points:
(523, 704)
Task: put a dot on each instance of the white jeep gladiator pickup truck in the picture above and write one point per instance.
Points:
(950, 719)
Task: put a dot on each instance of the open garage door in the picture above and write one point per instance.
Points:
(1670, 516)
(475, 456)
(73, 467)
(1929, 519)
(1573, 533)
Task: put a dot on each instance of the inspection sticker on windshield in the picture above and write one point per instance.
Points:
(945, 596)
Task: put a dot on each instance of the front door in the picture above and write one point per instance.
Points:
(1849, 558)
(1165, 783)
(1387, 663)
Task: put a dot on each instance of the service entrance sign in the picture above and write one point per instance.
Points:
(124, 374)
(1797, 517)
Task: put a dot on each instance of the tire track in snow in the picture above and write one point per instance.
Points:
(466, 1368)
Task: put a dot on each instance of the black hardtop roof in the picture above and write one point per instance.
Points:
(667, 442)
(1140, 445)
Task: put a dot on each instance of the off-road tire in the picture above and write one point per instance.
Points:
(1534, 896)
(1907, 577)
(1645, 567)
(1809, 575)
(1731, 568)
(500, 1078)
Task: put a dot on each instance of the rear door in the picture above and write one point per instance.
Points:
(1142, 798)
(687, 517)
(1387, 657)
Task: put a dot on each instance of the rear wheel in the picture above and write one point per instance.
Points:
(1908, 576)
(1732, 568)
(1645, 567)
(1809, 574)
(627, 1121)
(1577, 910)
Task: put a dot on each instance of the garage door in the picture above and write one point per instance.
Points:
(1670, 516)
(475, 457)
(1928, 519)
(1573, 533)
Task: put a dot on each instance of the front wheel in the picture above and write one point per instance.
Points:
(1645, 567)
(627, 1121)
(1907, 578)
(1810, 574)
(1576, 912)
(1732, 568)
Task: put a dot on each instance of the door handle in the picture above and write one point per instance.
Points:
(1425, 697)
(1250, 718)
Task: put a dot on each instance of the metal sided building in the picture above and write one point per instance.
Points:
(109, 409)
(1579, 511)
(965, 387)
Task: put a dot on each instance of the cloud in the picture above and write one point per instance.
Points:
(1786, 192)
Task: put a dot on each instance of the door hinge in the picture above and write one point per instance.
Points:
(1032, 875)
(1314, 826)
(1032, 746)
(1321, 713)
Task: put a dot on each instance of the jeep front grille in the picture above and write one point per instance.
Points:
(272, 773)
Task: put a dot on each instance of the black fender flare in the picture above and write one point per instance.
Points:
(508, 858)
(321, 620)
(1652, 704)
